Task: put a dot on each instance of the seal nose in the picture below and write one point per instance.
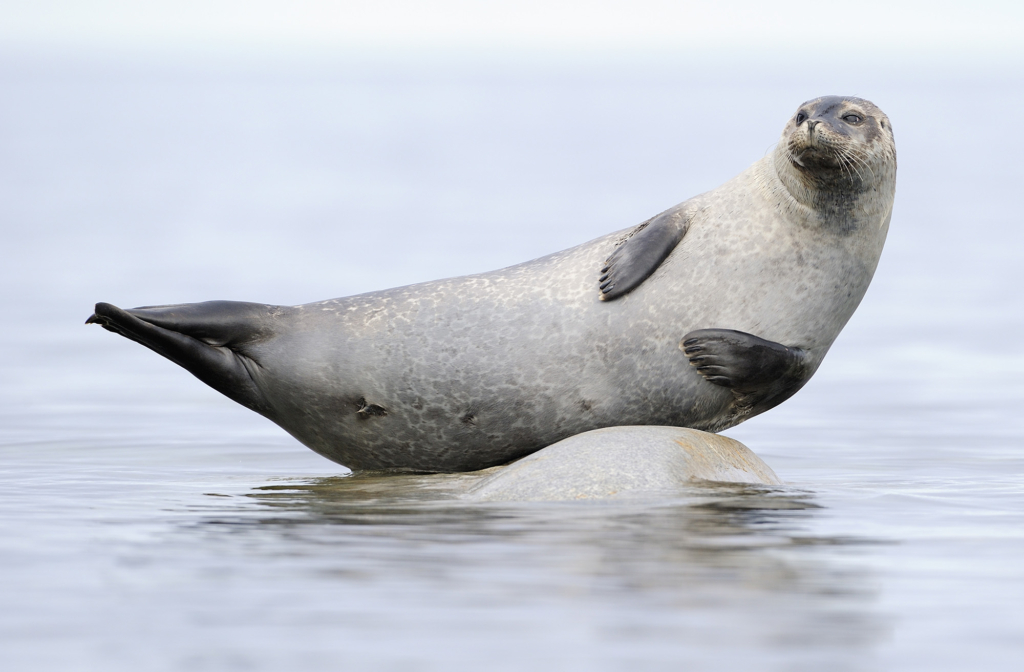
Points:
(811, 123)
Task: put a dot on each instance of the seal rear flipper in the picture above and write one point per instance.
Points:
(218, 323)
(202, 338)
(640, 254)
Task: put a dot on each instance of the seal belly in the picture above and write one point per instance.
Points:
(499, 369)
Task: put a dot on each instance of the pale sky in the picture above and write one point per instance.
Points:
(892, 25)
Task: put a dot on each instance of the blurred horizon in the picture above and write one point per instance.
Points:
(872, 31)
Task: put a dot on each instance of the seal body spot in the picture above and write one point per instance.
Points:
(366, 410)
(709, 313)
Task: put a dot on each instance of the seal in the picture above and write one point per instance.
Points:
(705, 315)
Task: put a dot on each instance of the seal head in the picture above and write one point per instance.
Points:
(835, 151)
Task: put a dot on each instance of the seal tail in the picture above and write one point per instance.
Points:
(206, 339)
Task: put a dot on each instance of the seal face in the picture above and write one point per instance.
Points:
(705, 315)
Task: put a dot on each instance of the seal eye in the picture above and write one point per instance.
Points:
(852, 119)
(800, 117)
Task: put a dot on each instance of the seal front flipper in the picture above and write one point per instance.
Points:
(207, 339)
(761, 373)
(641, 252)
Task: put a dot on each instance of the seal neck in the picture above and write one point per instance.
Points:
(837, 204)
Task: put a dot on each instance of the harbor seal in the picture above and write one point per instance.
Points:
(705, 315)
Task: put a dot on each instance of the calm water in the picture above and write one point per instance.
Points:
(146, 523)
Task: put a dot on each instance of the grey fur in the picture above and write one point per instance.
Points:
(470, 372)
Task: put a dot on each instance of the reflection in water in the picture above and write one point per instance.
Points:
(722, 565)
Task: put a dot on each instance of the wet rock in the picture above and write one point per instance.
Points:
(620, 462)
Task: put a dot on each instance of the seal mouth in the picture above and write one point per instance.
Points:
(814, 157)
(819, 148)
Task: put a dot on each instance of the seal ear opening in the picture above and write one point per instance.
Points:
(205, 339)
